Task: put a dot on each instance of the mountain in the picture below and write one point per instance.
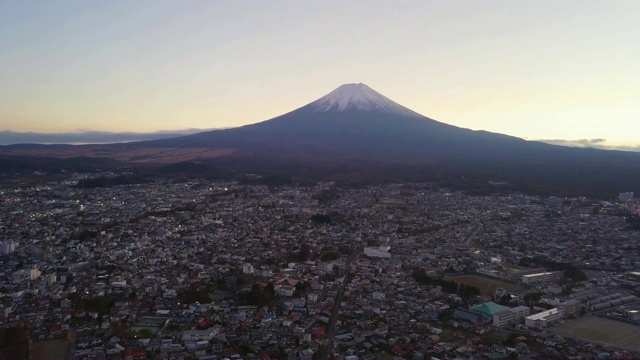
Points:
(355, 134)
(355, 121)
(359, 97)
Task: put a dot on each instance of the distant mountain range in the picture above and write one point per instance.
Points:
(355, 134)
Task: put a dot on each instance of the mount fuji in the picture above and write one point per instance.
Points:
(359, 97)
(354, 121)
(356, 134)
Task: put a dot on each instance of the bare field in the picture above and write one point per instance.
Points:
(602, 331)
(486, 285)
(52, 349)
(136, 155)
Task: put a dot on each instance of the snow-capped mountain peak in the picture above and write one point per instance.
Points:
(359, 97)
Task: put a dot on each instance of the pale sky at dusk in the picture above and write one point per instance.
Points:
(533, 69)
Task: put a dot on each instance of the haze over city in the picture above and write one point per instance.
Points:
(562, 71)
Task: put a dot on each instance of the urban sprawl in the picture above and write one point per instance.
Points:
(199, 269)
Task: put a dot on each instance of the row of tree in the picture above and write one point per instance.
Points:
(634, 221)
(570, 271)
(448, 286)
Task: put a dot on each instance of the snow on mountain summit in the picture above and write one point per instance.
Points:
(359, 97)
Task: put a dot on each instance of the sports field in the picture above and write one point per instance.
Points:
(486, 285)
(602, 331)
(51, 349)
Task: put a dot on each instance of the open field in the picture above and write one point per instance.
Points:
(602, 331)
(486, 285)
(154, 330)
(124, 153)
(52, 349)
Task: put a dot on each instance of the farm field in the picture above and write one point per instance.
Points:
(602, 331)
(486, 285)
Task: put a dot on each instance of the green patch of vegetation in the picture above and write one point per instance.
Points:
(485, 284)
(570, 271)
(448, 286)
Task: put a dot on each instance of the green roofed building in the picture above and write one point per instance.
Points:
(488, 309)
(483, 312)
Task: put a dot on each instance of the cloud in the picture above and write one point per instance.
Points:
(9, 137)
(591, 143)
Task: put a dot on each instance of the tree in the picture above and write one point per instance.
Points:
(532, 298)
(330, 255)
(270, 289)
(304, 253)
(120, 330)
(221, 284)
(240, 280)
(194, 294)
(420, 276)
(505, 300)
(468, 291)
(145, 333)
(257, 296)
(321, 219)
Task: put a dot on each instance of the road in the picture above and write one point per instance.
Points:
(327, 345)
(474, 233)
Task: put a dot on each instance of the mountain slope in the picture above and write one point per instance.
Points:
(354, 120)
(354, 131)
(356, 134)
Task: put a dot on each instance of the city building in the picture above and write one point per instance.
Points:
(542, 319)
(381, 252)
(542, 277)
(510, 316)
(7, 247)
(200, 335)
(571, 307)
(625, 196)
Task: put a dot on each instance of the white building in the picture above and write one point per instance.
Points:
(325, 267)
(247, 269)
(381, 252)
(7, 247)
(51, 279)
(119, 284)
(542, 319)
(542, 277)
(571, 307)
(170, 294)
(625, 196)
(285, 287)
(510, 316)
(201, 335)
(31, 274)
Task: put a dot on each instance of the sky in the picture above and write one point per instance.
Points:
(559, 70)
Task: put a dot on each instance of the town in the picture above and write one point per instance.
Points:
(211, 269)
